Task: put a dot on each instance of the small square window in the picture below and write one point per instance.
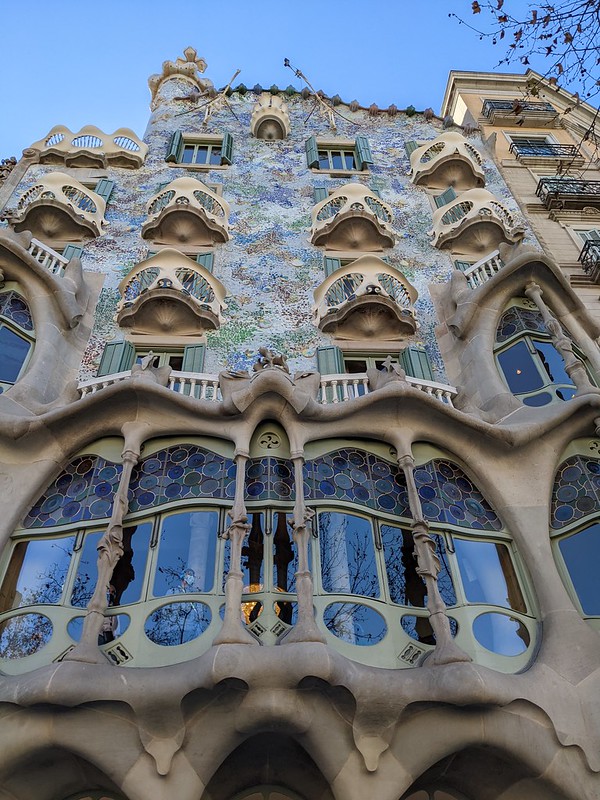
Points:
(339, 156)
(196, 151)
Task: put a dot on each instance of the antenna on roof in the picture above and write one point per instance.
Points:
(321, 103)
(214, 103)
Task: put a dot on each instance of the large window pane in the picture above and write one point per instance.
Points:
(347, 554)
(488, 574)
(519, 369)
(37, 572)
(581, 553)
(552, 362)
(186, 553)
(13, 352)
(406, 587)
(128, 575)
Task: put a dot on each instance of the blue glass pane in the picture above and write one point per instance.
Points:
(406, 586)
(538, 400)
(581, 553)
(13, 352)
(347, 554)
(355, 623)
(576, 491)
(186, 553)
(488, 575)
(37, 572)
(177, 623)
(252, 556)
(516, 320)
(553, 363)
(519, 369)
(419, 628)
(24, 635)
(504, 635)
(113, 627)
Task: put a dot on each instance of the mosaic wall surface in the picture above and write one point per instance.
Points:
(269, 267)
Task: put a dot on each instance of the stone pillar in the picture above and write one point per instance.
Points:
(573, 366)
(305, 629)
(233, 630)
(428, 566)
(110, 550)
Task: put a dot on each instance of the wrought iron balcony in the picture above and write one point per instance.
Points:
(544, 150)
(90, 147)
(568, 193)
(170, 293)
(589, 258)
(515, 112)
(366, 299)
(59, 207)
(352, 218)
(475, 222)
(448, 160)
(187, 212)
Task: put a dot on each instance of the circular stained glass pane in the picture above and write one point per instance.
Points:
(327, 488)
(255, 489)
(324, 471)
(196, 460)
(358, 476)
(253, 471)
(281, 489)
(501, 634)
(211, 468)
(572, 474)
(178, 455)
(380, 468)
(343, 481)
(149, 482)
(566, 494)
(151, 465)
(173, 490)
(175, 472)
(360, 494)
(563, 513)
(107, 473)
(427, 492)
(386, 501)
(177, 623)
(593, 466)
(355, 623)
(422, 476)
(24, 635)
(451, 492)
(51, 503)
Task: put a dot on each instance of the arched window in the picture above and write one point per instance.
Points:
(166, 596)
(532, 367)
(16, 337)
(575, 525)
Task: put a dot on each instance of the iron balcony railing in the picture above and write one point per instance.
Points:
(565, 192)
(589, 258)
(516, 106)
(544, 150)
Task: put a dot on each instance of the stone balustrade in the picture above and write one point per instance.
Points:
(448, 160)
(90, 147)
(484, 269)
(48, 258)
(352, 218)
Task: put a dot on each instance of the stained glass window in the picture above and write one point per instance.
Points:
(576, 491)
(14, 346)
(519, 320)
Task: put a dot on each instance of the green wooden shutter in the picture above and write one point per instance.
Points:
(331, 264)
(320, 194)
(175, 146)
(415, 362)
(206, 260)
(362, 151)
(410, 147)
(193, 358)
(117, 357)
(72, 251)
(104, 188)
(462, 265)
(445, 198)
(227, 149)
(330, 360)
(312, 152)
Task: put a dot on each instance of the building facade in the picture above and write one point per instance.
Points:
(300, 449)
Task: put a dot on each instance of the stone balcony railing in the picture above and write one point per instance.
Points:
(589, 258)
(89, 147)
(187, 212)
(333, 389)
(366, 299)
(48, 258)
(449, 160)
(170, 293)
(484, 269)
(568, 193)
(518, 112)
(352, 218)
(59, 207)
(475, 222)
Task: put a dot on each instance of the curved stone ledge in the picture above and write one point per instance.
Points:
(90, 147)
(352, 218)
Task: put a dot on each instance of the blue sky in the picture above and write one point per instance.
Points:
(64, 63)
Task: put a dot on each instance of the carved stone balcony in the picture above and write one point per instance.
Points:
(568, 193)
(518, 112)
(270, 118)
(59, 207)
(90, 147)
(448, 160)
(187, 212)
(352, 218)
(170, 293)
(366, 299)
(475, 222)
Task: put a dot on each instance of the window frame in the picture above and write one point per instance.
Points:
(15, 328)
(341, 146)
(177, 148)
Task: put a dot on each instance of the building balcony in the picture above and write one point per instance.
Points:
(475, 222)
(59, 207)
(187, 212)
(90, 147)
(589, 258)
(352, 218)
(568, 193)
(550, 154)
(484, 269)
(533, 114)
(170, 293)
(368, 299)
(270, 118)
(448, 160)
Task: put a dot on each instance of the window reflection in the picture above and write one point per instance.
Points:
(501, 634)
(14, 350)
(488, 575)
(37, 572)
(186, 553)
(347, 554)
(581, 553)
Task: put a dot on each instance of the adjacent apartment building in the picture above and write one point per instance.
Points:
(300, 449)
